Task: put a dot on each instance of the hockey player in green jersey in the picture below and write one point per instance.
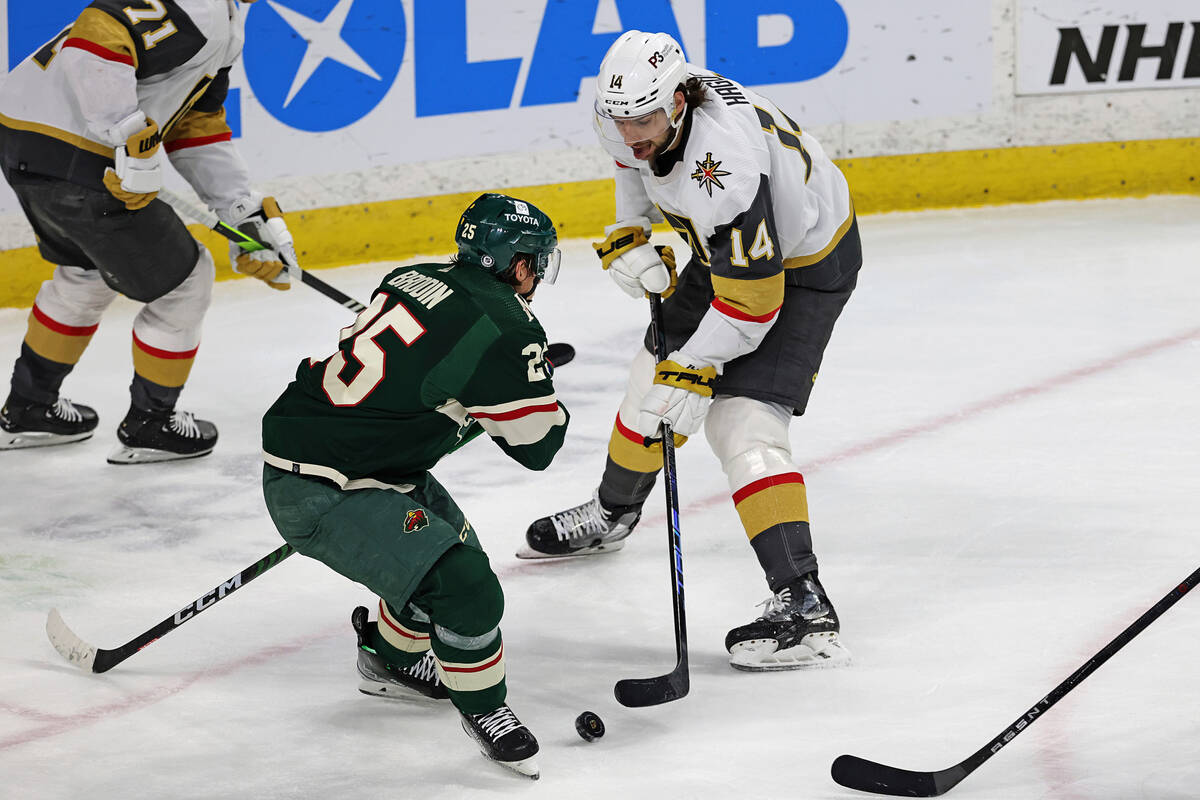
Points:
(443, 353)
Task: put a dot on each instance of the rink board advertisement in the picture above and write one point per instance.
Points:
(1075, 46)
(335, 86)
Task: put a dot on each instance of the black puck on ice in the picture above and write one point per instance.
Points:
(589, 726)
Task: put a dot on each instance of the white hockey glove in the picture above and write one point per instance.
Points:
(137, 178)
(634, 265)
(263, 221)
(680, 396)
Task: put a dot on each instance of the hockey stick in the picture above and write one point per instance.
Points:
(867, 776)
(248, 243)
(93, 659)
(637, 692)
(557, 353)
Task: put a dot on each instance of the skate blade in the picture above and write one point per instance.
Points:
(393, 691)
(527, 767)
(122, 454)
(528, 553)
(815, 651)
(21, 441)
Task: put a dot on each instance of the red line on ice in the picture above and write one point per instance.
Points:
(133, 702)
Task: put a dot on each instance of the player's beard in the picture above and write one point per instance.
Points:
(650, 149)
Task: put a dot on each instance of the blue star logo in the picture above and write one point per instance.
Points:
(320, 65)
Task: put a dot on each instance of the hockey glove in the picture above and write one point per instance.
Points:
(680, 396)
(634, 265)
(264, 222)
(137, 178)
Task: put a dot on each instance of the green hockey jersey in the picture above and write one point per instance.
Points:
(441, 353)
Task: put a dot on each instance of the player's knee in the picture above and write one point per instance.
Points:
(749, 434)
(641, 378)
(468, 600)
(75, 296)
(180, 312)
(202, 277)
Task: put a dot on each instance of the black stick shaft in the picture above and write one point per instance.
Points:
(670, 478)
(869, 776)
(638, 692)
(250, 244)
(107, 659)
(1078, 676)
(307, 278)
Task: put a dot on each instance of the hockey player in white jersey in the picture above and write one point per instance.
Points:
(86, 123)
(775, 255)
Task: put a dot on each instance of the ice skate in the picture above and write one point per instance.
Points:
(588, 528)
(797, 630)
(381, 679)
(502, 738)
(26, 423)
(148, 436)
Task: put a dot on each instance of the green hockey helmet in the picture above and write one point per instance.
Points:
(496, 228)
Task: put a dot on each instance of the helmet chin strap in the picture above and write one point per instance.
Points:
(677, 126)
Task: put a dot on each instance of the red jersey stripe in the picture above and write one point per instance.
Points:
(629, 433)
(99, 50)
(154, 351)
(516, 413)
(65, 330)
(401, 631)
(479, 667)
(737, 313)
(766, 483)
(197, 141)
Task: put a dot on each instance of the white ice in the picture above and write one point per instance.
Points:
(1002, 459)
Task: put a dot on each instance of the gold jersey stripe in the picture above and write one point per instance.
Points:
(626, 450)
(168, 371)
(73, 139)
(785, 502)
(95, 26)
(809, 260)
(199, 125)
(59, 347)
(756, 298)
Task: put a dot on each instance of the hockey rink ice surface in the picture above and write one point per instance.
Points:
(1002, 456)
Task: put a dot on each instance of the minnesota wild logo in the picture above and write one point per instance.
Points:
(415, 520)
(707, 174)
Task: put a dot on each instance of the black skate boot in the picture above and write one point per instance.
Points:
(27, 423)
(502, 738)
(590, 527)
(798, 629)
(382, 679)
(148, 436)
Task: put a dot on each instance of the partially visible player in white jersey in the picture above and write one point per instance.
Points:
(775, 255)
(85, 123)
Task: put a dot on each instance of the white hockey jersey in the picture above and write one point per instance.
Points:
(168, 58)
(753, 196)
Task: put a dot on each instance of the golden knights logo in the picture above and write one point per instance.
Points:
(707, 174)
(415, 520)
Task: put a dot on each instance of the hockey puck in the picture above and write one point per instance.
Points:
(559, 353)
(589, 726)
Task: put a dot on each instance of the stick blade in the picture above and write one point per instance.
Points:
(642, 692)
(68, 645)
(868, 776)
